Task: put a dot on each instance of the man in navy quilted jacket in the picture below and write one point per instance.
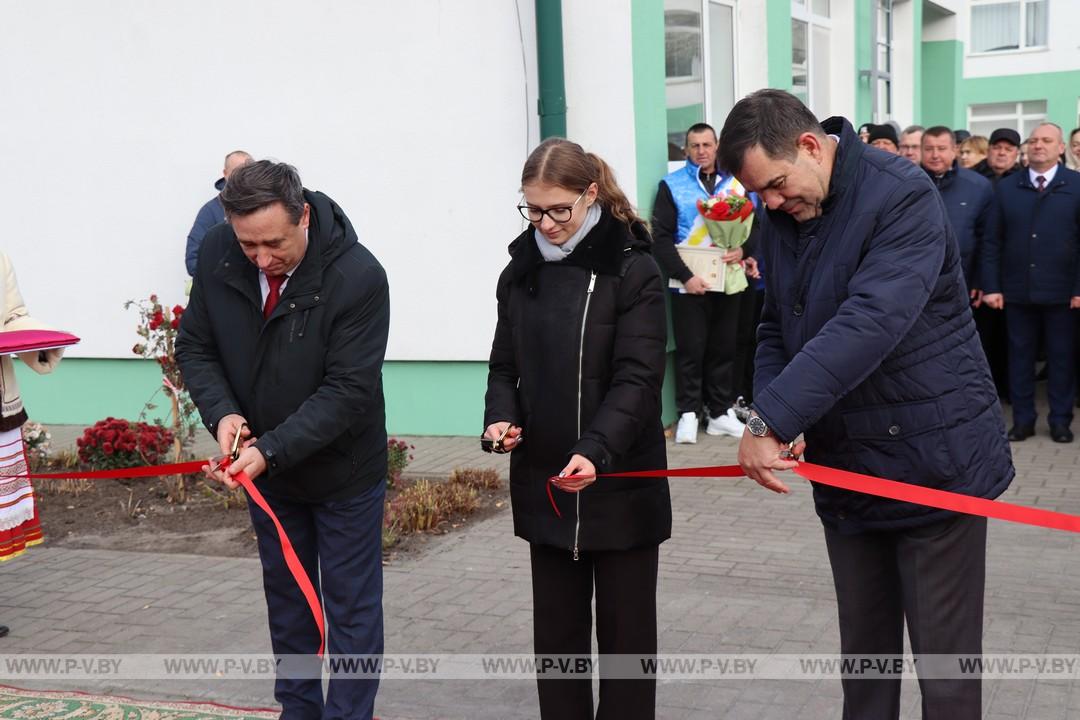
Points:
(867, 349)
(1031, 269)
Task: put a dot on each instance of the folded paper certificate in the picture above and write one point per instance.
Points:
(19, 341)
(704, 261)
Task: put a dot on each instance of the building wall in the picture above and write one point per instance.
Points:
(416, 116)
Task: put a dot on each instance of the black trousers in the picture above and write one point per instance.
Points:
(995, 342)
(1058, 325)
(746, 342)
(705, 327)
(934, 576)
(625, 582)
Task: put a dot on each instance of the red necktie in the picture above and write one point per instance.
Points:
(275, 282)
(1042, 183)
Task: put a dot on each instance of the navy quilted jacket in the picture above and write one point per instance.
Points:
(867, 344)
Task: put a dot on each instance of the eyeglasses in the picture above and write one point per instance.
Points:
(560, 214)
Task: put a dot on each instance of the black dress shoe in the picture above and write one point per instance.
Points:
(4, 630)
(1061, 433)
(1021, 432)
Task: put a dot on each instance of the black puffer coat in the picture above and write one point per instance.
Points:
(578, 361)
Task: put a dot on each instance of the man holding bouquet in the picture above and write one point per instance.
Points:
(691, 211)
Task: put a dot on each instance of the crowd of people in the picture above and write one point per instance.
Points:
(1018, 247)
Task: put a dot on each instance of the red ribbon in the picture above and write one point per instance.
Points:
(869, 485)
(292, 561)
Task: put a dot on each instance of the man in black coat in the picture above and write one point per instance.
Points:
(867, 348)
(283, 343)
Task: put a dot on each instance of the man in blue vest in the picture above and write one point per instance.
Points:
(704, 322)
(1031, 270)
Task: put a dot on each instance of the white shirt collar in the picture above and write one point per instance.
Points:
(1049, 175)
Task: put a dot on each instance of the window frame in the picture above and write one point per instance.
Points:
(1021, 30)
(802, 11)
(1016, 120)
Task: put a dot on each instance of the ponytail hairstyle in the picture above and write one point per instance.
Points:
(565, 164)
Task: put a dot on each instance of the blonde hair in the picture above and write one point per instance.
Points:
(977, 144)
(565, 164)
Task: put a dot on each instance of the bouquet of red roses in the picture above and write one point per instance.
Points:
(728, 219)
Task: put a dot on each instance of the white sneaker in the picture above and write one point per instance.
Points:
(726, 424)
(686, 432)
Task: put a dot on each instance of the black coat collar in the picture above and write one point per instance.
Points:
(602, 250)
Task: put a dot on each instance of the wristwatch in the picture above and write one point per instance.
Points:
(756, 426)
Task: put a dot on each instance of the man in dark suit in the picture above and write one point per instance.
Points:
(1031, 270)
(282, 348)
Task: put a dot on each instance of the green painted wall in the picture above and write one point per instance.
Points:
(942, 64)
(650, 118)
(946, 95)
(778, 43)
(422, 398)
(864, 59)
(1059, 89)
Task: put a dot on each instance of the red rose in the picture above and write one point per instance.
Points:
(107, 448)
(176, 323)
(720, 211)
(178, 310)
(153, 298)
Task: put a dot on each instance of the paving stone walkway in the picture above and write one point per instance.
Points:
(745, 571)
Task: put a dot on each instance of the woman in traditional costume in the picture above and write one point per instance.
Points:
(19, 526)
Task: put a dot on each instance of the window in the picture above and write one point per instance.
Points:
(1023, 117)
(881, 73)
(684, 86)
(700, 66)
(998, 26)
(682, 44)
(810, 28)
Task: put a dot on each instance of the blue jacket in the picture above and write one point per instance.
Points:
(210, 214)
(868, 347)
(971, 209)
(1032, 258)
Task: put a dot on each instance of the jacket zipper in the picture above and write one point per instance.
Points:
(580, 373)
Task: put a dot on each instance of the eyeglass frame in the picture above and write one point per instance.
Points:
(524, 209)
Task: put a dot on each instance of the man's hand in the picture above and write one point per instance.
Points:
(696, 286)
(578, 465)
(1075, 302)
(976, 297)
(511, 439)
(732, 256)
(995, 300)
(228, 426)
(751, 267)
(759, 457)
(251, 462)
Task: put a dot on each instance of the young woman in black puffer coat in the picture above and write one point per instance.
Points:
(576, 368)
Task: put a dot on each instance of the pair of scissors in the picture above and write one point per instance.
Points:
(233, 455)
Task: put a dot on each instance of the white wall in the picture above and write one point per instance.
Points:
(413, 115)
(599, 70)
(1062, 53)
